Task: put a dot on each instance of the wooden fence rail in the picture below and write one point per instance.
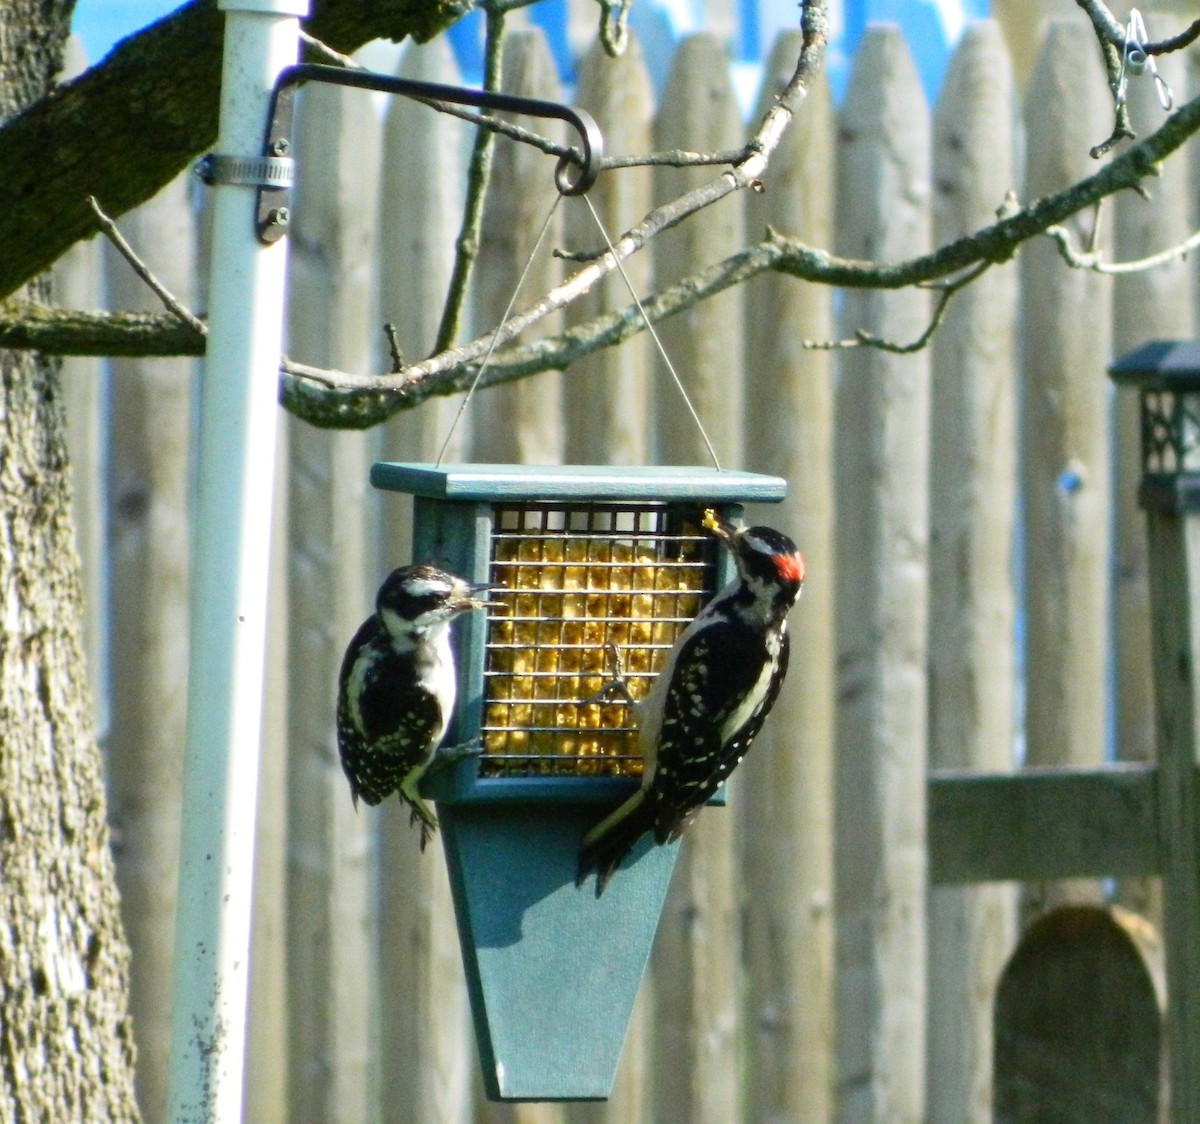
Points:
(808, 968)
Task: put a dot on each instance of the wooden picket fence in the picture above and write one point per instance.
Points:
(976, 593)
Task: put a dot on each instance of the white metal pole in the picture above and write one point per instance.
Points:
(229, 591)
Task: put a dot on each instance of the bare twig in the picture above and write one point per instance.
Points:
(393, 340)
(863, 338)
(450, 371)
(1090, 260)
(142, 270)
(614, 30)
(502, 6)
(333, 398)
(1112, 31)
(328, 53)
(1111, 37)
(1110, 34)
(478, 174)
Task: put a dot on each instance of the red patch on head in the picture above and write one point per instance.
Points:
(790, 567)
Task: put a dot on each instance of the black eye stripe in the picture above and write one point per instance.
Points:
(412, 607)
(411, 591)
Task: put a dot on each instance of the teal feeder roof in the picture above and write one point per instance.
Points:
(573, 482)
(588, 556)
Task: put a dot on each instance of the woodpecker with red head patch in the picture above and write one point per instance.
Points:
(397, 687)
(708, 703)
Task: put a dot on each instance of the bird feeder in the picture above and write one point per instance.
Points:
(587, 559)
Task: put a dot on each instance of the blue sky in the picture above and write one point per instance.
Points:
(933, 26)
(100, 23)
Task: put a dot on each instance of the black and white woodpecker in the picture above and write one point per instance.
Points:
(397, 686)
(708, 703)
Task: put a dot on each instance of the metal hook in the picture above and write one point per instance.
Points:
(573, 174)
(1135, 60)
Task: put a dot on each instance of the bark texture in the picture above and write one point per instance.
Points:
(126, 127)
(66, 1048)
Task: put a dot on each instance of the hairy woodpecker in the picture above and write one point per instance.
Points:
(705, 707)
(396, 688)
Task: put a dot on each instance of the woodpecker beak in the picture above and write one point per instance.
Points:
(723, 529)
(472, 600)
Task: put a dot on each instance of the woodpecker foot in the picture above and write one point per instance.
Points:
(452, 754)
(615, 689)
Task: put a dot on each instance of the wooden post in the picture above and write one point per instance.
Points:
(331, 906)
(150, 410)
(1078, 1023)
(1064, 425)
(785, 818)
(1023, 24)
(696, 1027)
(882, 542)
(1174, 544)
(1168, 379)
(699, 112)
(1155, 304)
(427, 1062)
(520, 423)
(971, 598)
(607, 397)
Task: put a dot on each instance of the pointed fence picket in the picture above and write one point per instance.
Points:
(882, 537)
(520, 423)
(612, 389)
(332, 901)
(609, 396)
(427, 1074)
(149, 435)
(1065, 466)
(803, 972)
(697, 1025)
(972, 489)
(785, 826)
(1153, 305)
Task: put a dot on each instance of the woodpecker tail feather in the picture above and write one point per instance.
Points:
(612, 839)
(420, 812)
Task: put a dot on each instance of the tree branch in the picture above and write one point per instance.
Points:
(1110, 30)
(479, 170)
(371, 398)
(139, 267)
(56, 331)
(127, 126)
(1110, 34)
(337, 399)
(1089, 260)
(864, 338)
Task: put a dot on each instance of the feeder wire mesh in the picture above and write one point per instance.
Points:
(576, 578)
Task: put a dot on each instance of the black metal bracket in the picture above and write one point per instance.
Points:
(573, 175)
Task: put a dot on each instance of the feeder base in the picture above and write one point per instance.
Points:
(552, 970)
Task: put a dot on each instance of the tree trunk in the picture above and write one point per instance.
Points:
(66, 1048)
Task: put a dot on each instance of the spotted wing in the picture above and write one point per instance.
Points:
(722, 687)
(387, 725)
